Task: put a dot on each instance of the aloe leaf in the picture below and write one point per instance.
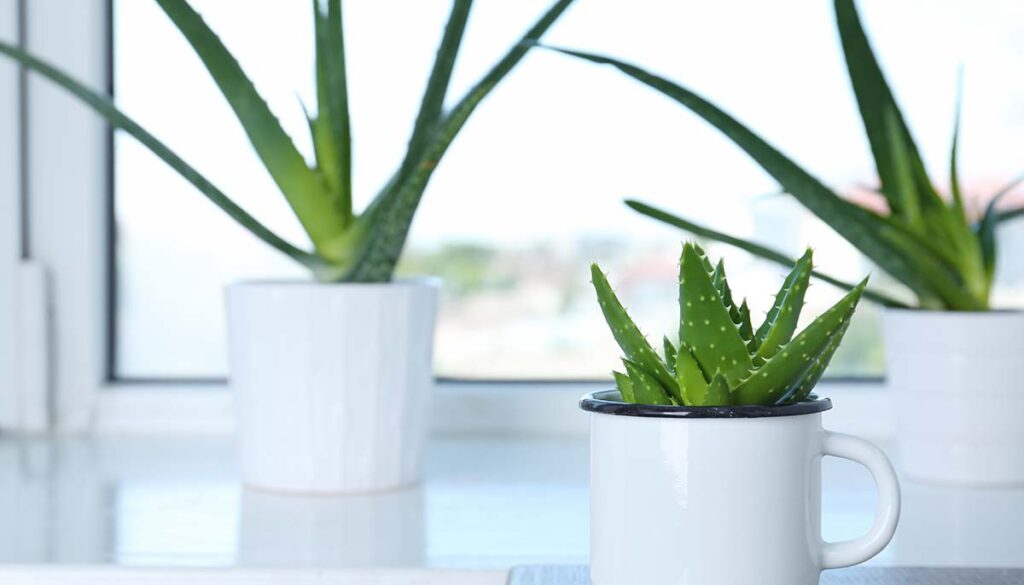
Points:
(1013, 213)
(954, 178)
(782, 374)
(332, 132)
(986, 229)
(882, 119)
(705, 325)
(900, 186)
(718, 278)
(626, 333)
(937, 227)
(670, 354)
(692, 382)
(625, 386)
(398, 204)
(718, 392)
(102, 105)
(818, 365)
(755, 249)
(646, 389)
(987, 235)
(432, 104)
(301, 186)
(746, 327)
(780, 323)
(886, 243)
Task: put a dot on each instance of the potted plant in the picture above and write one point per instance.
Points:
(714, 446)
(953, 364)
(332, 378)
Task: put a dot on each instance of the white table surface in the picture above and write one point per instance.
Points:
(487, 504)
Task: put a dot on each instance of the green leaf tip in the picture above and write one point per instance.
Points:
(719, 359)
(626, 333)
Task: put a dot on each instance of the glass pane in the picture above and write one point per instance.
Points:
(532, 190)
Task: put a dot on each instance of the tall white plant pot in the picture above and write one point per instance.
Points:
(332, 383)
(958, 383)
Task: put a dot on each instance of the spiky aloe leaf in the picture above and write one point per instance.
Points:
(315, 208)
(718, 392)
(818, 366)
(755, 249)
(395, 207)
(883, 122)
(627, 334)
(646, 389)
(705, 325)
(886, 242)
(780, 323)
(693, 384)
(625, 386)
(332, 133)
(746, 327)
(783, 373)
(721, 283)
(102, 105)
(670, 354)
(432, 104)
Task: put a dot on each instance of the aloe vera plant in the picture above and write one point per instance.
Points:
(719, 358)
(934, 247)
(346, 246)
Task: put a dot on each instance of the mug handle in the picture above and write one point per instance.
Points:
(835, 555)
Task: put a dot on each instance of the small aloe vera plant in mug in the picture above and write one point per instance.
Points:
(719, 358)
(724, 400)
(332, 379)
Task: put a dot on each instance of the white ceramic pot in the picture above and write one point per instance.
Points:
(332, 383)
(720, 495)
(958, 383)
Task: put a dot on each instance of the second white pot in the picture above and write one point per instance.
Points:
(332, 383)
(958, 383)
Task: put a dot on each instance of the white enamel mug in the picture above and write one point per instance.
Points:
(720, 495)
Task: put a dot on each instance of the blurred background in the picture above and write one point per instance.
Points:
(523, 203)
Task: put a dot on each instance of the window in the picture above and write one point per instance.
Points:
(532, 190)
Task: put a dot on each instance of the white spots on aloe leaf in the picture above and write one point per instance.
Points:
(707, 321)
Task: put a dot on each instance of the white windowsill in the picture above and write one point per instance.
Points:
(505, 409)
(170, 509)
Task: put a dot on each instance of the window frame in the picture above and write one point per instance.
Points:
(73, 299)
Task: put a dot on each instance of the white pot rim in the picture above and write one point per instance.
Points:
(432, 282)
(610, 402)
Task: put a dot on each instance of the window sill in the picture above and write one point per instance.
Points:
(526, 409)
(155, 509)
